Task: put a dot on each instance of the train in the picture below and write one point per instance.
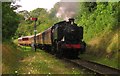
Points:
(63, 39)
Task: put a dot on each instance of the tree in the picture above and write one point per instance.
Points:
(10, 21)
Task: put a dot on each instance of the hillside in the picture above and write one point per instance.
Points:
(101, 31)
(10, 56)
(104, 49)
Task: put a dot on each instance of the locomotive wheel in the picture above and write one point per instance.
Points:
(76, 54)
(73, 54)
(53, 50)
(59, 52)
(82, 50)
(54, 47)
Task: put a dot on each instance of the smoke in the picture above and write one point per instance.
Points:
(67, 10)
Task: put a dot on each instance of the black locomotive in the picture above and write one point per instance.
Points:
(64, 39)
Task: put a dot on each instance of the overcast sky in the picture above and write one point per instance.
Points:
(29, 5)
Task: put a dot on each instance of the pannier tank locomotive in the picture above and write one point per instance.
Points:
(64, 39)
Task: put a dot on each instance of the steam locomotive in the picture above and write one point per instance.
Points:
(64, 39)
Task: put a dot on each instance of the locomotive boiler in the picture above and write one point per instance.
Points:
(64, 39)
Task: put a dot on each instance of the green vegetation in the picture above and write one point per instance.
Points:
(97, 17)
(10, 57)
(10, 20)
(101, 28)
(26, 27)
(25, 61)
(105, 48)
(112, 62)
(43, 63)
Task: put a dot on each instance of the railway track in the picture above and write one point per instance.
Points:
(99, 69)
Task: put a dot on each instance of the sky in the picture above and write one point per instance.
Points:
(30, 5)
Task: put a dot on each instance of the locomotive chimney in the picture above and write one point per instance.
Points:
(71, 20)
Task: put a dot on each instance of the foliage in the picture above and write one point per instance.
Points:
(10, 21)
(26, 27)
(96, 17)
(101, 26)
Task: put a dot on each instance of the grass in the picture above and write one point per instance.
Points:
(23, 60)
(41, 62)
(104, 49)
(10, 56)
(102, 60)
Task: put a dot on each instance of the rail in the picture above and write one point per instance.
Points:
(95, 67)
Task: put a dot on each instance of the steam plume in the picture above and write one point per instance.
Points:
(67, 10)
